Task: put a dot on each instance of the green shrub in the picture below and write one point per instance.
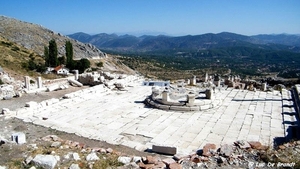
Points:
(100, 64)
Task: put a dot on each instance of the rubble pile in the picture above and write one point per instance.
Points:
(241, 154)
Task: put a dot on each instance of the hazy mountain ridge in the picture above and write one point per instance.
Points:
(190, 42)
(35, 37)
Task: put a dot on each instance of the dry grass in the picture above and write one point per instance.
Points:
(13, 58)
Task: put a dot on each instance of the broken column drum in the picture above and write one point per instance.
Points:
(165, 96)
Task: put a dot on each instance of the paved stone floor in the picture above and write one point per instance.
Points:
(120, 117)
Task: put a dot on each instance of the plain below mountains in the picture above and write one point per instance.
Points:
(130, 43)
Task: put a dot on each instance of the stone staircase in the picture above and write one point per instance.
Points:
(291, 113)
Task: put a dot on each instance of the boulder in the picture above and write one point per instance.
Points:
(45, 161)
(7, 92)
(124, 160)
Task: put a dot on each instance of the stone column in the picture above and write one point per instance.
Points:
(209, 94)
(76, 74)
(188, 81)
(39, 82)
(206, 77)
(193, 82)
(165, 96)
(264, 86)
(27, 82)
(190, 99)
(218, 84)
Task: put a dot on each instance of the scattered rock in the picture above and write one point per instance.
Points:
(76, 156)
(74, 166)
(136, 159)
(145, 166)
(221, 159)
(209, 150)
(195, 159)
(255, 144)
(226, 150)
(160, 165)
(168, 161)
(45, 161)
(124, 160)
(152, 160)
(132, 165)
(242, 144)
(92, 157)
(109, 150)
(56, 144)
(175, 166)
(28, 159)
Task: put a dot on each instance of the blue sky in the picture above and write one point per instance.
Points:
(172, 17)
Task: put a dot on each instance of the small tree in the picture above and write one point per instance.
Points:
(83, 64)
(53, 61)
(61, 60)
(69, 55)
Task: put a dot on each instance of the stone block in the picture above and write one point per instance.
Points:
(19, 138)
(124, 160)
(205, 107)
(164, 149)
(195, 108)
(53, 87)
(45, 161)
(163, 107)
(180, 108)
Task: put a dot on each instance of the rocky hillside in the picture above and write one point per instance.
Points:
(35, 37)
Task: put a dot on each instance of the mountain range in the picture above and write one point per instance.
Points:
(147, 43)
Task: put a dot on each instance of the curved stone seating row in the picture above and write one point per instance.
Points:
(201, 106)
